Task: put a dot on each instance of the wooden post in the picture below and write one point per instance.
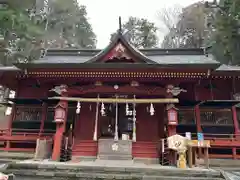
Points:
(172, 129)
(96, 122)
(199, 127)
(235, 121)
(206, 158)
(190, 157)
(57, 142)
(60, 128)
(198, 118)
(116, 124)
(236, 129)
(10, 121)
(134, 137)
(44, 116)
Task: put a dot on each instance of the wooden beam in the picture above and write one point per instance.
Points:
(119, 100)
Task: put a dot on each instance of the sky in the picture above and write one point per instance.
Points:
(103, 14)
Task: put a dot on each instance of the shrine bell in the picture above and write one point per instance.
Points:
(60, 112)
(172, 116)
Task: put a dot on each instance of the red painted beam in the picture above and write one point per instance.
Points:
(225, 143)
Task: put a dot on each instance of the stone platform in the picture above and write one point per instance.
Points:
(108, 149)
(106, 170)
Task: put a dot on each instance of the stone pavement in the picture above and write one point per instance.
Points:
(233, 176)
(106, 169)
(108, 163)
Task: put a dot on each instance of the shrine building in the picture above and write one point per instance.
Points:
(120, 102)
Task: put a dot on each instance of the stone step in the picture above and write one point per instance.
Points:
(120, 168)
(114, 157)
(101, 176)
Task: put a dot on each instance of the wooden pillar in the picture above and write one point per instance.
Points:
(235, 121)
(172, 125)
(60, 119)
(95, 135)
(236, 130)
(172, 119)
(44, 116)
(199, 127)
(198, 118)
(134, 136)
(10, 121)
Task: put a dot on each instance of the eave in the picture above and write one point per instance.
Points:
(200, 66)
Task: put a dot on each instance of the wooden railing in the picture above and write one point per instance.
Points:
(222, 141)
(210, 136)
(21, 136)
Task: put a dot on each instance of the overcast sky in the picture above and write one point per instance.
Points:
(103, 14)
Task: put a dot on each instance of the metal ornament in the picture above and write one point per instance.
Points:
(102, 109)
(59, 89)
(152, 111)
(78, 107)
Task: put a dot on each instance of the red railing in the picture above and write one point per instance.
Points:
(222, 141)
(8, 137)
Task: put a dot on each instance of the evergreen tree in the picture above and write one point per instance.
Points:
(19, 31)
(68, 25)
(140, 33)
(226, 39)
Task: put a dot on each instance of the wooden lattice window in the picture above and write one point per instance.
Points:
(50, 114)
(28, 113)
(216, 117)
(186, 116)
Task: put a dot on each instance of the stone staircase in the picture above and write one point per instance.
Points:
(62, 171)
(84, 148)
(145, 149)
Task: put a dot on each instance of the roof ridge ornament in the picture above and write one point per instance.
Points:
(120, 24)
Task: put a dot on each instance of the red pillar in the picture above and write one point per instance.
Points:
(44, 116)
(10, 121)
(172, 120)
(236, 129)
(198, 124)
(172, 125)
(60, 119)
(235, 121)
(198, 118)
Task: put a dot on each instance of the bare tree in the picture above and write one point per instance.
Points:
(187, 28)
(169, 17)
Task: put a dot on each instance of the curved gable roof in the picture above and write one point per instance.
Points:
(119, 39)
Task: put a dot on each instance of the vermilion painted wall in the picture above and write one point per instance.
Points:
(32, 92)
(149, 128)
(221, 90)
(84, 125)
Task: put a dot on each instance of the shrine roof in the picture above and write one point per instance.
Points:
(121, 53)
(9, 68)
(228, 68)
(60, 58)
